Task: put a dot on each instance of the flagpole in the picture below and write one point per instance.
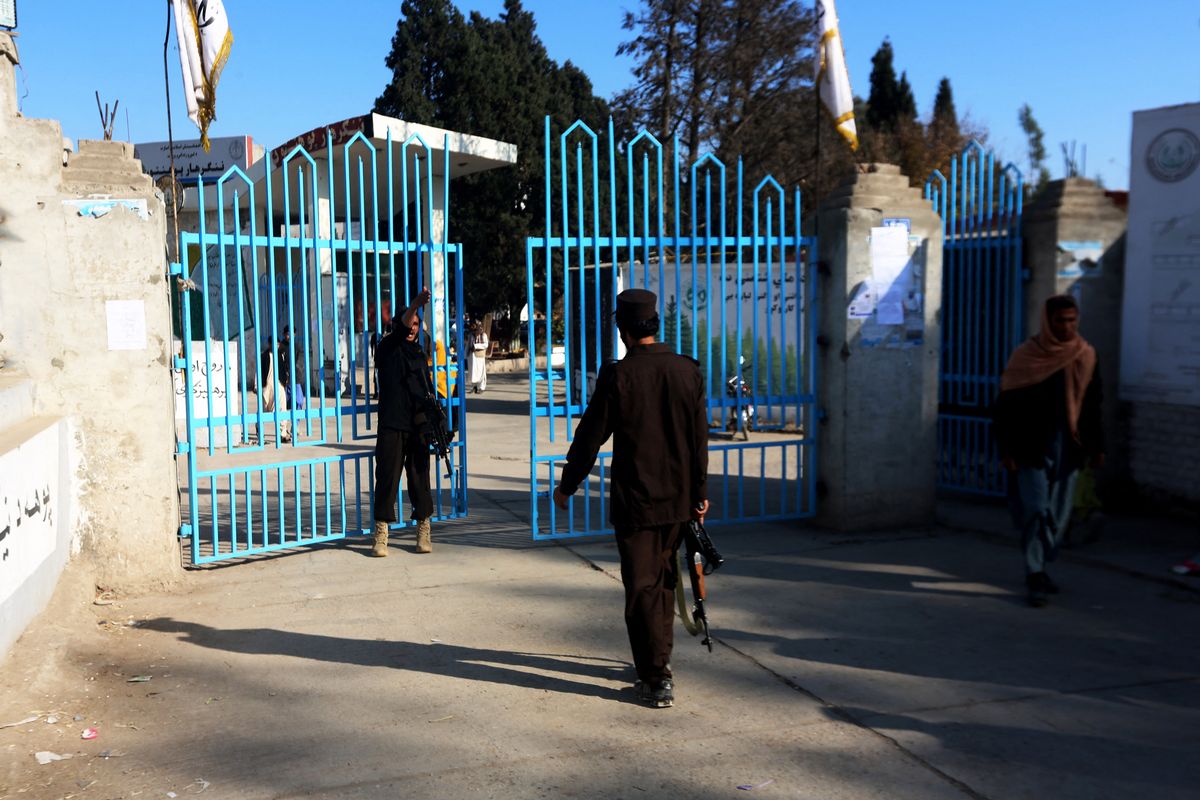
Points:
(817, 107)
(171, 134)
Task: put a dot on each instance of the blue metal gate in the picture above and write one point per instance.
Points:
(326, 255)
(980, 206)
(735, 282)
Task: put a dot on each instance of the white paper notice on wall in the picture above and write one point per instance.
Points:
(862, 303)
(889, 258)
(126, 324)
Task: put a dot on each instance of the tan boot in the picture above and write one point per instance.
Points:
(424, 540)
(380, 550)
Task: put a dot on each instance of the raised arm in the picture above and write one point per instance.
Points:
(410, 313)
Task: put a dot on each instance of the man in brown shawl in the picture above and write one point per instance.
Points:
(1047, 425)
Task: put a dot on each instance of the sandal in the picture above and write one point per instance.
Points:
(1188, 567)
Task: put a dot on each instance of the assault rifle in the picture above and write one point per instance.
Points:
(703, 559)
(436, 419)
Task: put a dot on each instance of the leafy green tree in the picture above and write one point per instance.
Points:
(430, 34)
(491, 78)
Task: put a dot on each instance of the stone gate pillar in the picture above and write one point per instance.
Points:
(880, 256)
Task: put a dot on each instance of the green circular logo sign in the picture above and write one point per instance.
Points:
(1173, 155)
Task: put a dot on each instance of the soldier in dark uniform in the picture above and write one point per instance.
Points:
(400, 444)
(653, 403)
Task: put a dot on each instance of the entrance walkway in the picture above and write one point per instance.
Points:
(901, 664)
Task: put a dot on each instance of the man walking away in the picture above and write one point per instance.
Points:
(653, 403)
(1047, 425)
(400, 444)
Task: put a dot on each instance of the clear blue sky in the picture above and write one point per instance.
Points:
(1082, 66)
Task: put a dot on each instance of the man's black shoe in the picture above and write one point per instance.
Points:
(658, 695)
(1041, 582)
(1039, 586)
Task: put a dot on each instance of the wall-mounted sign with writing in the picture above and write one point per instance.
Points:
(191, 161)
(215, 378)
(29, 508)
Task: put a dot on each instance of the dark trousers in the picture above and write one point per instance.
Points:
(1040, 498)
(649, 570)
(395, 451)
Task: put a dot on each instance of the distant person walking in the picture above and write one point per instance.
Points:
(272, 391)
(653, 404)
(1047, 425)
(292, 371)
(478, 357)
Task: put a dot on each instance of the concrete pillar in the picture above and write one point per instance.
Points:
(877, 382)
(1075, 244)
(84, 319)
(436, 267)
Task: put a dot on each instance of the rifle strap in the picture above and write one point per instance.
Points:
(685, 614)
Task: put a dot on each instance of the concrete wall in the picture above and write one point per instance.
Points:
(1153, 448)
(878, 440)
(60, 270)
(1164, 452)
(1071, 212)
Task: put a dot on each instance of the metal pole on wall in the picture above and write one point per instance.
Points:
(171, 138)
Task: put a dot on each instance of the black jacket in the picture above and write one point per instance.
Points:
(403, 383)
(653, 404)
(1026, 420)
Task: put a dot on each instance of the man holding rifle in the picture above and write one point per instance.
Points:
(653, 403)
(405, 394)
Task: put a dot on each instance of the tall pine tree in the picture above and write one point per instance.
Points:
(883, 102)
(945, 118)
(906, 103)
(491, 78)
(894, 133)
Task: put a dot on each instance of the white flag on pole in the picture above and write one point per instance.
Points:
(833, 81)
(202, 30)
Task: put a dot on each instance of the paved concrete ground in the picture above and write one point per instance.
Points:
(900, 664)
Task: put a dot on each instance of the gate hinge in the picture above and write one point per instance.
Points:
(175, 268)
(182, 448)
(180, 362)
(185, 530)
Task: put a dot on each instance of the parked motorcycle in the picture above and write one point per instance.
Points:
(747, 418)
